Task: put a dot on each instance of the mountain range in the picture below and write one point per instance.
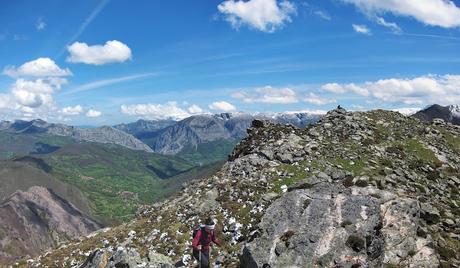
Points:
(355, 189)
(103, 134)
(205, 138)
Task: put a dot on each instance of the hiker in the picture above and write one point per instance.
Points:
(202, 242)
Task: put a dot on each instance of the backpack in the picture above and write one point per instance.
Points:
(203, 233)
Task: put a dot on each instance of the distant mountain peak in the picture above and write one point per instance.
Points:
(449, 113)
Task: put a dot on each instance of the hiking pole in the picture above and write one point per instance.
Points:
(199, 259)
(209, 258)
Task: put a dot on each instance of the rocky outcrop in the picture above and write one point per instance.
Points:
(37, 220)
(103, 134)
(364, 189)
(327, 224)
(123, 257)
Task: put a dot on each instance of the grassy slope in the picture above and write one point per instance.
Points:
(207, 153)
(12, 144)
(114, 179)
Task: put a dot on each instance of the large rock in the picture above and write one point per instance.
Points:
(125, 258)
(328, 225)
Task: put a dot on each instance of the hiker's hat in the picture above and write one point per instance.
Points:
(209, 224)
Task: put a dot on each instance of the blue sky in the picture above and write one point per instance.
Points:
(111, 61)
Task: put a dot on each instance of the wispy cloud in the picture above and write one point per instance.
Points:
(322, 14)
(435, 36)
(40, 25)
(107, 82)
(85, 24)
(393, 26)
(362, 29)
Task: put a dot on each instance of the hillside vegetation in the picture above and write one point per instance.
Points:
(107, 181)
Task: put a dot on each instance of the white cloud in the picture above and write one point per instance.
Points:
(443, 89)
(322, 14)
(6, 101)
(170, 110)
(407, 111)
(112, 52)
(443, 13)
(40, 24)
(20, 37)
(222, 106)
(195, 109)
(108, 82)
(263, 15)
(93, 113)
(393, 26)
(35, 93)
(317, 100)
(333, 87)
(268, 94)
(31, 95)
(336, 88)
(41, 67)
(75, 110)
(307, 111)
(362, 29)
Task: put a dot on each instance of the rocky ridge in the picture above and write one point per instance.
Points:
(364, 189)
(103, 134)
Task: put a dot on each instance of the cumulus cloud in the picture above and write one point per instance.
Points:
(6, 101)
(41, 67)
(170, 110)
(31, 95)
(443, 13)
(268, 94)
(222, 106)
(317, 100)
(442, 89)
(35, 93)
(362, 29)
(75, 110)
(112, 52)
(263, 15)
(337, 88)
(93, 113)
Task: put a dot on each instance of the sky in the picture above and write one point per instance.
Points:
(104, 62)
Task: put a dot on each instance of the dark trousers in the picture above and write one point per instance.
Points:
(204, 258)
